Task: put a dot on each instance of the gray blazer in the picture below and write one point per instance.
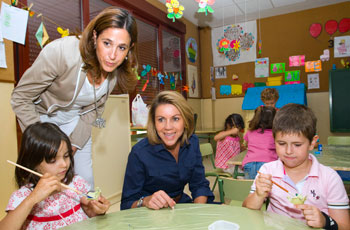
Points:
(52, 83)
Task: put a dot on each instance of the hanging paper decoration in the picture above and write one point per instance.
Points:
(160, 78)
(172, 82)
(31, 13)
(174, 9)
(260, 47)
(14, 2)
(315, 29)
(146, 69)
(63, 32)
(154, 72)
(41, 35)
(344, 25)
(204, 6)
(136, 73)
(185, 88)
(145, 85)
(331, 26)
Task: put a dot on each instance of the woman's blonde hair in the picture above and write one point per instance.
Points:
(176, 99)
(111, 17)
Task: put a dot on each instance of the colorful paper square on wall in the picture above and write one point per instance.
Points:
(313, 66)
(225, 90)
(262, 67)
(298, 60)
(292, 76)
(278, 67)
(236, 89)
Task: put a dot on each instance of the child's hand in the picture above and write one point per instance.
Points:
(263, 185)
(158, 200)
(95, 207)
(313, 215)
(45, 187)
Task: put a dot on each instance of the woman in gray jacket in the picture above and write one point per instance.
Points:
(69, 82)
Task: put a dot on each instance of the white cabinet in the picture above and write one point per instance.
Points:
(111, 147)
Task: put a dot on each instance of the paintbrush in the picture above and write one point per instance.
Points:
(40, 175)
(284, 189)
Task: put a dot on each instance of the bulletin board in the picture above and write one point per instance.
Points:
(283, 36)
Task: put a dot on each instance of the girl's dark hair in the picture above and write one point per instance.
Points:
(234, 120)
(41, 141)
(263, 118)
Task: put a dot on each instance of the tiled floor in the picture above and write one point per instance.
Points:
(207, 164)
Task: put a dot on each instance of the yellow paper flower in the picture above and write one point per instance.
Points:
(174, 9)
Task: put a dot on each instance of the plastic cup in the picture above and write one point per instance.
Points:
(223, 225)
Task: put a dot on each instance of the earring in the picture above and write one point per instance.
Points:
(126, 58)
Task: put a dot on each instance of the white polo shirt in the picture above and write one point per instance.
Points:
(322, 186)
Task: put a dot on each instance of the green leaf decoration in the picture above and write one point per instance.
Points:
(200, 10)
(210, 9)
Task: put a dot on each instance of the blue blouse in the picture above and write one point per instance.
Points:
(152, 168)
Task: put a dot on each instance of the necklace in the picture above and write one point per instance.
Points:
(99, 122)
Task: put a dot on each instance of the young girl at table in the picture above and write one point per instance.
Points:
(299, 172)
(42, 203)
(228, 142)
(260, 142)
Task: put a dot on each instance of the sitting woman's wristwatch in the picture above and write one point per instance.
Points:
(140, 202)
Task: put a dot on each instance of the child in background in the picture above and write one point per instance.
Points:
(269, 97)
(41, 203)
(326, 204)
(228, 142)
(259, 139)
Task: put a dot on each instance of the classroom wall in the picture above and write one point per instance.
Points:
(8, 135)
(283, 36)
(317, 101)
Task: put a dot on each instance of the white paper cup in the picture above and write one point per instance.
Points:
(223, 225)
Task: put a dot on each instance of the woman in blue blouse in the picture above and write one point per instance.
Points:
(160, 165)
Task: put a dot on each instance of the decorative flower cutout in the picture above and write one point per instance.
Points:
(204, 6)
(235, 45)
(223, 45)
(174, 9)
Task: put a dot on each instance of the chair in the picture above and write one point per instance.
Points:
(207, 151)
(236, 190)
(339, 140)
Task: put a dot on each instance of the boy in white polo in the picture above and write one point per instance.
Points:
(327, 204)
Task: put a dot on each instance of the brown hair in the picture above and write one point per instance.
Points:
(295, 118)
(111, 17)
(176, 99)
(269, 94)
(263, 118)
(41, 142)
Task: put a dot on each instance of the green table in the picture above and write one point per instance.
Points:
(189, 216)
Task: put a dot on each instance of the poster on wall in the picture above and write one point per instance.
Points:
(171, 52)
(342, 46)
(298, 60)
(292, 76)
(313, 66)
(278, 67)
(313, 81)
(220, 72)
(233, 44)
(192, 81)
(261, 67)
(191, 50)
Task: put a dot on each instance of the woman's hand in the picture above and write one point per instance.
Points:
(95, 207)
(158, 200)
(313, 215)
(45, 187)
(263, 185)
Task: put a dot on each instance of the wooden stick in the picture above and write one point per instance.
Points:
(40, 175)
(284, 189)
